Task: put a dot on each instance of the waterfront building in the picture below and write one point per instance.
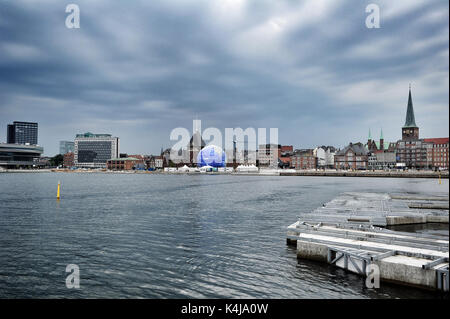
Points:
(194, 147)
(141, 164)
(19, 156)
(138, 156)
(166, 157)
(371, 161)
(124, 163)
(268, 155)
(304, 159)
(158, 162)
(272, 155)
(381, 145)
(285, 159)
(285, 162)
(411, 150)
(94, 150)
(22, 133)
(325, 156)
(353, 156)
(42, 162)
(382, 160)
(286, 150)
(11, 134)
(414, 152)
(437, 152)
(155, 162)
(66, 147)
(186, 155)
(68, 160)
(382, 155)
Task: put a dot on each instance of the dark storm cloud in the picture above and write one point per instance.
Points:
(138, 70)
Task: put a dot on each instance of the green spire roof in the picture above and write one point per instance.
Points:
(370, 135)
(410, 120)
(381, 135)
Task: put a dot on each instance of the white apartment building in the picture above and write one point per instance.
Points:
(325, 156)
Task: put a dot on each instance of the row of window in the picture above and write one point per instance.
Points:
(440, 145)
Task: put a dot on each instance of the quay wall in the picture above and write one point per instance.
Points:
(416, 174)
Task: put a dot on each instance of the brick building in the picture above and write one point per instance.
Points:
(437, 152)
(430, 153)
(285, 159)
(380, 146)
(68, 160)
(411, 150)
(304, 159)
(124, 164)
(274, 155)
(414, 153)
(353, 156)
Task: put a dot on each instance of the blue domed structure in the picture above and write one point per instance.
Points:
(211, 155)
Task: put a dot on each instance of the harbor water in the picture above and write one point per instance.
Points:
(177, 236)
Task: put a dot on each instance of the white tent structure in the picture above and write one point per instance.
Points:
(183, 169)
(247, 168)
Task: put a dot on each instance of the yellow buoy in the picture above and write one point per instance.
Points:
(57, 194)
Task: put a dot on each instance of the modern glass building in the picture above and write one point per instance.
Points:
(15, 156)
(66, 147)
(22, 133)
(94, 150)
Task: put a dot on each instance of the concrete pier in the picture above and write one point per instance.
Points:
(380, 210)
(344, 233)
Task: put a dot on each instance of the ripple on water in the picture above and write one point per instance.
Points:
(162, 236)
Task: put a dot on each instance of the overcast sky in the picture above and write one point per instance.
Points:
(138, 69)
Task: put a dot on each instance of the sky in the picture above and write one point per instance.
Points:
(139, 69)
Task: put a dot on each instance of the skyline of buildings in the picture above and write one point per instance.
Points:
(303, 142)
(90, 150)
(22, 147)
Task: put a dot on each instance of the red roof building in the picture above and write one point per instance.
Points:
(437, 151)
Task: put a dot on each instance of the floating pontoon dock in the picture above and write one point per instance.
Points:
(345, 233)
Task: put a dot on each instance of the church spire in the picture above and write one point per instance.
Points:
(370, 136)
(381, 140)
(410, 120)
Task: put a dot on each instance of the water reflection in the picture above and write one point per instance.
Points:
(164, 236)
